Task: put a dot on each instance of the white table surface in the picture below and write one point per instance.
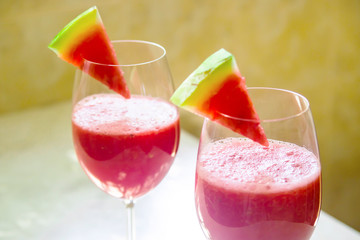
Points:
(44, 194)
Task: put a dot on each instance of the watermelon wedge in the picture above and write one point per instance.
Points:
(216, 90)
(85, 38)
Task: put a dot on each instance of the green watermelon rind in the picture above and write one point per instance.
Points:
(70, 34)
(204, 81)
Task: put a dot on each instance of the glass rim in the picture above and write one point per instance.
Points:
(304, 99)
(149, 43)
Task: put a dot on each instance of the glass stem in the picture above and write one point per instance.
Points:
(129, 204)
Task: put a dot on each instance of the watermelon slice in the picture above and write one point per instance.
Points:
(85, 38)
(216, 90)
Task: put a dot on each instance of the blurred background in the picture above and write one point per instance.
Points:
(311, 47)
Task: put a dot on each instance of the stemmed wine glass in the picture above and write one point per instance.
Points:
(248, 191)
(126, 146)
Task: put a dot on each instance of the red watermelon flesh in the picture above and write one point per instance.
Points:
(216, 90)
(85, 38)
(93, 49)
(233, 100)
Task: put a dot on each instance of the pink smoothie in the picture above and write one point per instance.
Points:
(126, 146)
(248, 191)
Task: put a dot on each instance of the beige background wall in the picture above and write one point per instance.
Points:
(312, 47)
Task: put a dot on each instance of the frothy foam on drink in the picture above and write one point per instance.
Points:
(111, 113)
(234, 163)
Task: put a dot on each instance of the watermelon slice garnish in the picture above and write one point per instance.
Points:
(216, 90)
(85, 38)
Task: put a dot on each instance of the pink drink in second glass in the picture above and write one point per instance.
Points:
(126, 146)
(248, 191)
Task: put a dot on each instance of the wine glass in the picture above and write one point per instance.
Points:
(126, 146)
(248, 191)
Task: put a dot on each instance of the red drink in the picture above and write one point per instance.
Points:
(248, 191)
(126, 146)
